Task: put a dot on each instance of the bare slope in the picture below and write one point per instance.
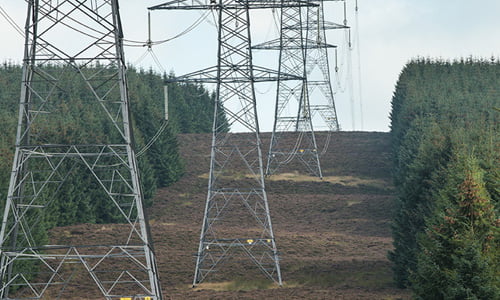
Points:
(333, 235)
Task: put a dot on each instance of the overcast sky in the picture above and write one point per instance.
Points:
(391, 32)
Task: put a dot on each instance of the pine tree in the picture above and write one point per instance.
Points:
(423, 152)
(438, 106)
(460, 250)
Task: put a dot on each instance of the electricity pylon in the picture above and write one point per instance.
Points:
(292, 108)
(304, 52)
(320, 89)
(76, 44)
(236, 221)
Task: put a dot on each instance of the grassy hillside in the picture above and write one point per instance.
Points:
(333, 235)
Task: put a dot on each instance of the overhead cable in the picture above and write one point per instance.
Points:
(360, 89)
(11, 21)
(184, 32)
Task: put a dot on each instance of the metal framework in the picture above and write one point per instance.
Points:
(318, 68)
(292, 110)
(74, 41)
(239, 205)
(303, 50)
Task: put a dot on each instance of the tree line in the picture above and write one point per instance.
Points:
(191, 109)
(445, 134)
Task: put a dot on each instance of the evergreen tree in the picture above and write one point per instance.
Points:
(460, 249)
(414, 203)
(439, 106)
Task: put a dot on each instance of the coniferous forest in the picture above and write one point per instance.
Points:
(445, 136)
(191, 111)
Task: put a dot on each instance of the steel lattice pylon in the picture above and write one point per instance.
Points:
(304, 52)
(292, 110)
(232, 203)
(78, 42)
(320, 89)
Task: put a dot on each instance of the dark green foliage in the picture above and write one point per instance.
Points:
(460, 249)
(191, 107)
(80, 199)
(442, 111)
(415, 182)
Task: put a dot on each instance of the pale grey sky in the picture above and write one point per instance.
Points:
(391, 32)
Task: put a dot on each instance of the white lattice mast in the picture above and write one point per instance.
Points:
(73, 51)
(236, 225)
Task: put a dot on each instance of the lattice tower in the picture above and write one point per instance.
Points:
(320, 91)
(74, 68)
(236, 199)
(306, 106)
(292, 120)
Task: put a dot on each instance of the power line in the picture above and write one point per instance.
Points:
(360, 88)
(11, 21)
(190, 28)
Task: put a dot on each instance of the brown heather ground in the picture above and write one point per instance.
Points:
(333, 234)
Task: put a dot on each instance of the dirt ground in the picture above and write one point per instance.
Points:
(332, 234)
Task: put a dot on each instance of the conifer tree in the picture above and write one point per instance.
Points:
(439, 106)
(460, 250)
